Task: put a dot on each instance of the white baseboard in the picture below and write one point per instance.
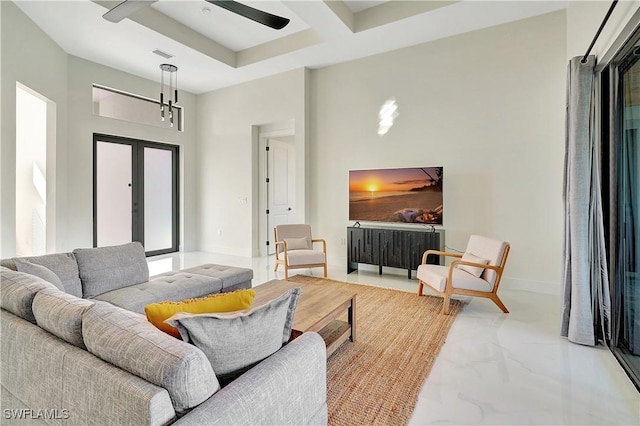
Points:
(231, 251)
(545, 287)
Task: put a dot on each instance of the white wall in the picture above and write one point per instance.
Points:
(30, 57)
(83, 124)
(584, 19)
(228, 120)
(487, 105)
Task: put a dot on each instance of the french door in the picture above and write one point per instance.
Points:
(135, 195)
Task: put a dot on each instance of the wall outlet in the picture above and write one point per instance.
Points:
(219, 232)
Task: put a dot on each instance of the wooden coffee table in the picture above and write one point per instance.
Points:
(318, 310)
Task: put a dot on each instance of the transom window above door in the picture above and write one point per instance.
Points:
(113, 103)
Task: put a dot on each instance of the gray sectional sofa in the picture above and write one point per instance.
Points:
(76, 349)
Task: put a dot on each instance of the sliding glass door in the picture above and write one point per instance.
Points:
(135, 193)
(621, 107)
(628, 235)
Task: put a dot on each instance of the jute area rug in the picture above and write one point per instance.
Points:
(376, 379)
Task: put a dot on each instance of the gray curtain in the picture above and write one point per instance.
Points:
(586, 301)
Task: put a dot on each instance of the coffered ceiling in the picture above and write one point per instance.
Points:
(214, 48)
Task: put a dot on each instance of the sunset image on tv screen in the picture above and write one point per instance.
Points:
(410, 195)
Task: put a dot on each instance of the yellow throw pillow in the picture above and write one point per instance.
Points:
(214, 303)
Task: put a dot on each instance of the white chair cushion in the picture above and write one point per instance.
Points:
(487, 248)
(473, 270)
(436, 276)
(303, 257)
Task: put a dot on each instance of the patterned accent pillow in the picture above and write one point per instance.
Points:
(235, 342)
(221, 302)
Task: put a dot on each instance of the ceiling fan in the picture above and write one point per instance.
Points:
(127, 7)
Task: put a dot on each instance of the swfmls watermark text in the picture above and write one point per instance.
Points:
(33, 414)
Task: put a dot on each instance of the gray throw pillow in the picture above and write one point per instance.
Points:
(8, 264)
(23, 265)
(64, 265)
(236, 341)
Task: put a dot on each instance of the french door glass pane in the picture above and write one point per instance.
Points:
(158, 201)
(628, 271)
(136, 193)
(113, 194)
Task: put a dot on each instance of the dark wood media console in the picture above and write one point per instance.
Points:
(394, 247)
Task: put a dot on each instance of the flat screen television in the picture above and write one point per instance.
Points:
(406, 195)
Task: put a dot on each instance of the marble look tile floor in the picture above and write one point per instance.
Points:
(495, 368)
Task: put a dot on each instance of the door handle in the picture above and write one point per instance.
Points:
(289, 209)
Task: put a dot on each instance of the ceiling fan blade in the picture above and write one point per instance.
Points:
(126, 8)
(264, 18)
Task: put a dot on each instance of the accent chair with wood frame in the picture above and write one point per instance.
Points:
(477, 272)
(294, 248)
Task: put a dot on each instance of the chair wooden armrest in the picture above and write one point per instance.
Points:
(283, 244)
(449, 285)
(455, 263)
(479, 265)
(438, 253)
(320, 240)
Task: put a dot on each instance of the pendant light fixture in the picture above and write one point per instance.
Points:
(172, 83)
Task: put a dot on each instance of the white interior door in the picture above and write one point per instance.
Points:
(281, 183)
